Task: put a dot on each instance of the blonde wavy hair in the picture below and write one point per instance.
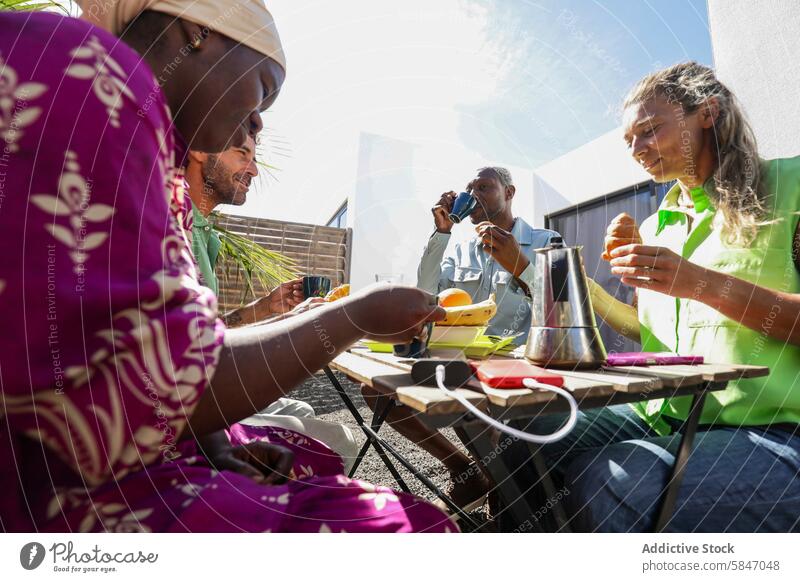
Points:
(737, 192)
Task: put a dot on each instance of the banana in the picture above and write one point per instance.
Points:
(475, 314)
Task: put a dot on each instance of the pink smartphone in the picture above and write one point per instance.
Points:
(651, 359)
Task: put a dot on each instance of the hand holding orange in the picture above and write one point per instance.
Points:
(622, 231)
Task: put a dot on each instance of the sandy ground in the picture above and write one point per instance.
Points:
(319, 393)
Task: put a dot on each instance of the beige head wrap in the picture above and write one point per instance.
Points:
(245, 21)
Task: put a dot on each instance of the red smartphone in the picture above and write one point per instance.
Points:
(511, 373)
(650, 359)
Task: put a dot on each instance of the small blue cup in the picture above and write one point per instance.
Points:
(314, 286)
(417, 348)
(464, 205)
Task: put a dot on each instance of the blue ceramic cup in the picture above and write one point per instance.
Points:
(316, 286)
(417, 348)
(464, 205)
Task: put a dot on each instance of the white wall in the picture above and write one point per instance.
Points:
(600, 167)
(389, 211)
(757, 54)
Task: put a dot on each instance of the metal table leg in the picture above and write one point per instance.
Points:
(673, 484)
(383, 406)
(360, 457)
(556, 518)
(561, 522)
(372, 437)
(378, 419)
(423, 479)
(476, 437)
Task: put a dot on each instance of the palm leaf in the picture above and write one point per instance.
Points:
(248, 259)
(31, 5)
(269, 169)
(270, 145)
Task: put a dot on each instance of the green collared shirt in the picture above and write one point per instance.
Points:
(205, 246)
(690, 327)
(671, 212)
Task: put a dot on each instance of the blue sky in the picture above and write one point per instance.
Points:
(506, 81)
(569, 64)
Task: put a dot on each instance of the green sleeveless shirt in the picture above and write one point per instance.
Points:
(689, 327)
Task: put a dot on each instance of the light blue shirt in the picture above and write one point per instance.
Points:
(467, 266)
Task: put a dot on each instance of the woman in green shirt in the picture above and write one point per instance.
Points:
(716, 276)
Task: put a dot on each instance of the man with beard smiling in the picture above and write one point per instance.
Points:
(225, 178)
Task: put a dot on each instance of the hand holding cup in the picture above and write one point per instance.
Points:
(441, 212)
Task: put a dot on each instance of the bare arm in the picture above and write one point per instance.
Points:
(279, 301)
(261, 363)
(248, 314)
(774, 313)
(659, 269)
(235, 318)
(623, 318)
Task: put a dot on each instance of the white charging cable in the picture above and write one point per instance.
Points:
(540, 439)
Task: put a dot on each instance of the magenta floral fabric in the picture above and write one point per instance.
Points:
(108, 339)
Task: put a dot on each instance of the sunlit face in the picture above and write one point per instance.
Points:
(490, 194)
(216, 87)
(664, 138)
(227, 176)
(233, 87)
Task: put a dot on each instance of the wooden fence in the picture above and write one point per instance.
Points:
(316, 250)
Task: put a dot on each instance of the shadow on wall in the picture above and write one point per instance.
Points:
(546, 200)
(386, 213)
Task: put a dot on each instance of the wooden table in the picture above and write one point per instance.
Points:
(390, 377)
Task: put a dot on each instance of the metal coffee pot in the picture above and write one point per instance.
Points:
(564, 331)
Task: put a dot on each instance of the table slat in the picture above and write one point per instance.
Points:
(721, 372)
(433, 401)
(670, 378)
(743, 370)
(427, 399)
(362, 369)
(388, 359)
(503, 397)
(620, 382)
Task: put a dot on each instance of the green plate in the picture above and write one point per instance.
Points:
(482, 347)
(378, 347)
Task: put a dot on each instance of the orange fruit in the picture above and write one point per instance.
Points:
(338, 292)
(454, 298)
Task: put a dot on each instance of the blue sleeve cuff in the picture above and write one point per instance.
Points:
(527, 276)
